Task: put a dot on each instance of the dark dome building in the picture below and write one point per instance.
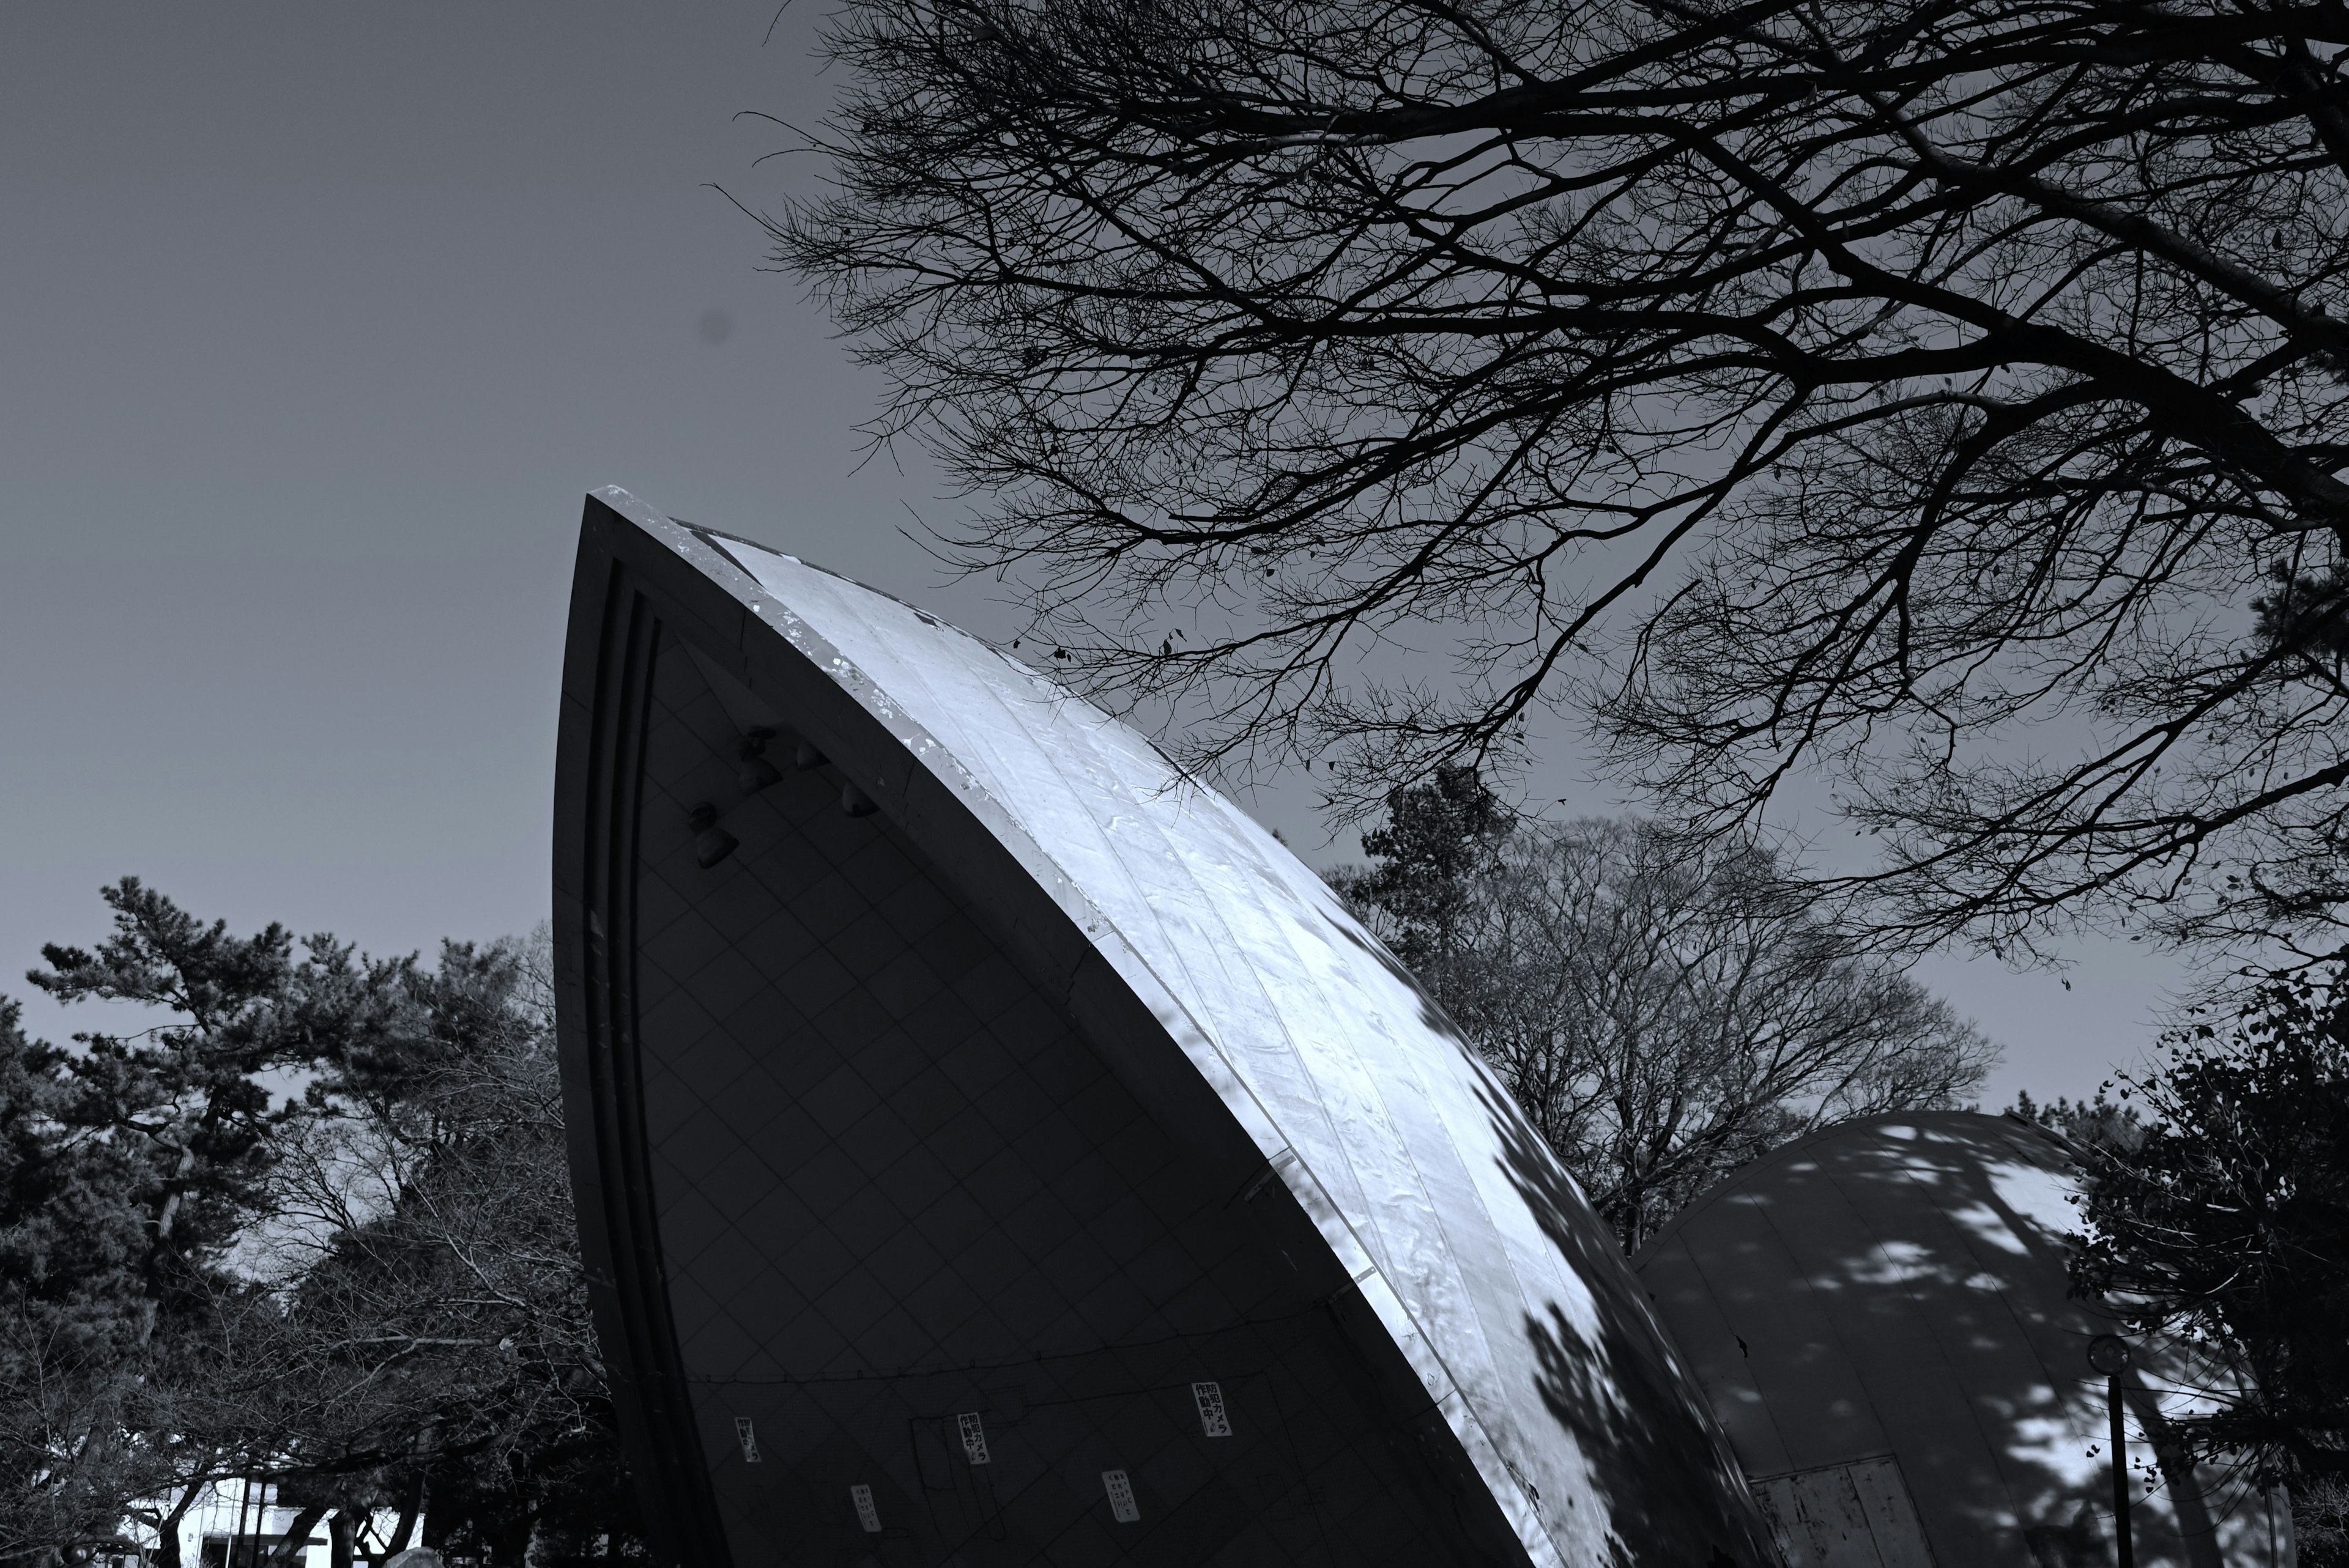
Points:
(1878, 1315)
(991, 1147)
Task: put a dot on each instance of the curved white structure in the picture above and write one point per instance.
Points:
(993, 1147)
(1878, 1315)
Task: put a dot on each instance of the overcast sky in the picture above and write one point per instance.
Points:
(318, 322)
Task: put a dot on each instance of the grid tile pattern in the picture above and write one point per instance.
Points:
(1476, 1258)
(894, 1185)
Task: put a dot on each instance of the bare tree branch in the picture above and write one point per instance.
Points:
(1922, 395)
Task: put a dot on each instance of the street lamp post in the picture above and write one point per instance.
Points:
(2109, 1354)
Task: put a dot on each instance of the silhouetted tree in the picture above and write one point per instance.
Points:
(1437, 845)
(1663, 1014)
(2320, 1523)
(438, 1311)
(2228, 1221)
(71, 1243)
(367, 1293)
(136, 1164)
(1947, 396)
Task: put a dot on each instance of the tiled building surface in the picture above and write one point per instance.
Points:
(992, 1147)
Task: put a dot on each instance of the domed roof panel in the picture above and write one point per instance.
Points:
(1885, 1305)
(1114, 881)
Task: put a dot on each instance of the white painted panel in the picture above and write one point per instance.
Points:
(974, 1436)
(1844, 1516)
(1212, 1419)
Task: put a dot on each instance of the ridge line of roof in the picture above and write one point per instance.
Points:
(1785, 1151)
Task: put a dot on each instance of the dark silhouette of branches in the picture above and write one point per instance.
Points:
(1930, 394)
(433, 1309)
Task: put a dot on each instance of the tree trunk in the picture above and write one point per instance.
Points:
(509, 1543)
(410, 1505)
(288, 1552)
(167, 1533)
(342, 1531)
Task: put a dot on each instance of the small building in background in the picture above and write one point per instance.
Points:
(1879, 1316)
(237, 1523)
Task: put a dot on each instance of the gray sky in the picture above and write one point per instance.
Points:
(318, 321)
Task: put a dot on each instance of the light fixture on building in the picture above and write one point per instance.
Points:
(805, 756)
(856, 801)
(712, 843)
(752, 772)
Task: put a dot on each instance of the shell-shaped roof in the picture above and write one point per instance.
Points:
(1880, 1318)
(1281, 1045)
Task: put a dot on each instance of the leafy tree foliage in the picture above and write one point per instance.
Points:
(313, 1227)
(2228, 1221)
(70, 1248)
(1663, 1012)
(139, 1159)
(1949, 397)
(2320, 1523)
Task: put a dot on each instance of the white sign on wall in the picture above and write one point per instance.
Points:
(1209, 1398)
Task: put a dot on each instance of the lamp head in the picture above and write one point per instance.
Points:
(752, 772)
(2108, 1353)
(712, 843)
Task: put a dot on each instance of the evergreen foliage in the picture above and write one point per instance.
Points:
(2088, 1121)
(310, 1226)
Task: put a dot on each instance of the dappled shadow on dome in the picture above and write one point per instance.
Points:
(1432, 1016)
(1615, 1388)
(1669, 1489)
(1891, 1297)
